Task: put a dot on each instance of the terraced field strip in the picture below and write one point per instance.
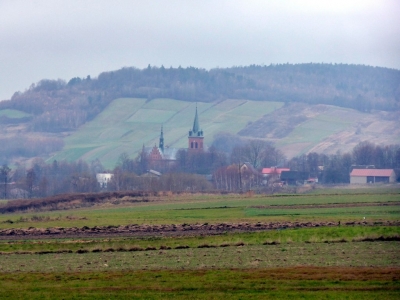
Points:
(126, 124)
(163, 238)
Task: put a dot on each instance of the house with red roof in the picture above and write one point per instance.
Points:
(363, 176)
(273, 171)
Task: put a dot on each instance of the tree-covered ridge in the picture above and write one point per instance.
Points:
(58, 106)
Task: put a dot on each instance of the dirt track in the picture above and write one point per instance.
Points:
(168, 230)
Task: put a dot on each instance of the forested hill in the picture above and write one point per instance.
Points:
(56, 105)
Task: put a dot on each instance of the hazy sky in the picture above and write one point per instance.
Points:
(54, 39)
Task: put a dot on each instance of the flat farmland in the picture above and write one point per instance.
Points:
(330, 245)
(194, 208)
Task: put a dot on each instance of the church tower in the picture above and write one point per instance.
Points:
(196, 136)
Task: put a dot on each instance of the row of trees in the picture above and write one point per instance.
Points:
(235, 171)
(28, 146)
(337, 167)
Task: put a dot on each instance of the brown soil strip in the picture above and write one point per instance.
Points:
(135, 230)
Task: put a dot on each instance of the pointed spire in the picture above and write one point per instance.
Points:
(196, 126)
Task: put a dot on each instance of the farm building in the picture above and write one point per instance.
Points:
(273, 171)
(362, 176)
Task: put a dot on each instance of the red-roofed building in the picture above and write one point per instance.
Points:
(273, 171)
(272, 174)
(362, 176)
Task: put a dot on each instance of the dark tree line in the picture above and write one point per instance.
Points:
(238, 170)
(28, 146)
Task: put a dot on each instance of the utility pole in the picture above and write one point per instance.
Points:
(240, 176)
(4, 172)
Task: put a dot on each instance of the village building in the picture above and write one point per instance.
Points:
(273, 172)
(103, 179)
(162, 158)
(363, 176)
(152, 174)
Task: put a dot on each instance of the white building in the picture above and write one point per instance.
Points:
(363, 176)
(103, 179)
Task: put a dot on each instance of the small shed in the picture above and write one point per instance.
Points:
(152, 173)
(363, 176)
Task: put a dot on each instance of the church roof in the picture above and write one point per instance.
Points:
(167, 153)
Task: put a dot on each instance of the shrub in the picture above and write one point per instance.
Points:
(182, 247)
(135, 248)
(81, 251)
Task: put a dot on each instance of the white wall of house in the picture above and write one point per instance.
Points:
(358, 179)
(392, 177)
(103, 178)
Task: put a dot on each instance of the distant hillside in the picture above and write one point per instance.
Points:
(129, 123)
(300, 128)
(58, 106)
(317, 107)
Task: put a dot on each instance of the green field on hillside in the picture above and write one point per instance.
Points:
(13, 113)
(316, 129)
(129, 123)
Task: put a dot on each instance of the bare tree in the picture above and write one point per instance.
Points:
(363, 153)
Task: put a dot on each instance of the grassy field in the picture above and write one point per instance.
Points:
(363, 254)
(282, 283)
(217, 208)
(13, 113)
(344, 234)
(339, 262)
(127, 123)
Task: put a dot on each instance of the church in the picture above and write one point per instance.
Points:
(163, 158)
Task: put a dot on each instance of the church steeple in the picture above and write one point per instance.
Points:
(196, 135)
(196, 127)
(161, 144)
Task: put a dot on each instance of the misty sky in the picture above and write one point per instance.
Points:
(63, 39)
